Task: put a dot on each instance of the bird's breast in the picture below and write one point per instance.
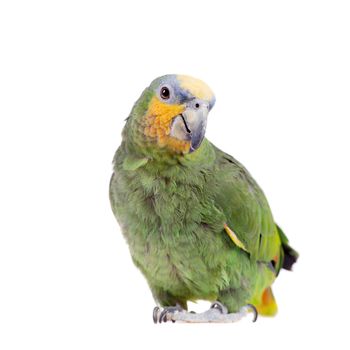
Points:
(173, 231)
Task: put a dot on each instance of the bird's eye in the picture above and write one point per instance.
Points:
(164, 93)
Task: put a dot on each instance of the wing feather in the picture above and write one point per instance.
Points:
(246, 209)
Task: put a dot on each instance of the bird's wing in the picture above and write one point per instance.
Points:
(247, 211)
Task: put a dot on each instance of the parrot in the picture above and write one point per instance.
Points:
(197, 224)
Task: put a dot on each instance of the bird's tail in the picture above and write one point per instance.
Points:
(266, 304)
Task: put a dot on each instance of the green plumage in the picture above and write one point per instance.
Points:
(172, 210)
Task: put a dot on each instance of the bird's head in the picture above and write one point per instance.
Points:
(172, 113)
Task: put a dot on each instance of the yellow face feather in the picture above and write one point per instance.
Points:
(158, 121)
(196, 87)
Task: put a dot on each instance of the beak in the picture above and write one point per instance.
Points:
(190, 125)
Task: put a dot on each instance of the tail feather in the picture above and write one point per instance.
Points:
(290, 256)
(268, 305)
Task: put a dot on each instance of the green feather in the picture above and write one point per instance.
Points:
(132, 163)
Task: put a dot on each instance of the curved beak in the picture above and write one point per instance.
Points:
(190, 125)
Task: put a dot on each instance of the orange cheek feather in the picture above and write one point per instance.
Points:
(158, 119)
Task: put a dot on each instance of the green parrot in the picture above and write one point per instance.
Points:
(197, 224)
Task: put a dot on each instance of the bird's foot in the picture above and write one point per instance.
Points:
(217, 313)
(166, 314)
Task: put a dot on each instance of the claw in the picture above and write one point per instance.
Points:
(255, 311)
(163, 316)
(219, 306)
(155, 314)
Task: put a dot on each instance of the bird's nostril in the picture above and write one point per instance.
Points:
(197, 105)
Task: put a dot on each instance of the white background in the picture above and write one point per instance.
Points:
(69, 74)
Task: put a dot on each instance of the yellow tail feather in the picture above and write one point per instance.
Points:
(268, 305)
